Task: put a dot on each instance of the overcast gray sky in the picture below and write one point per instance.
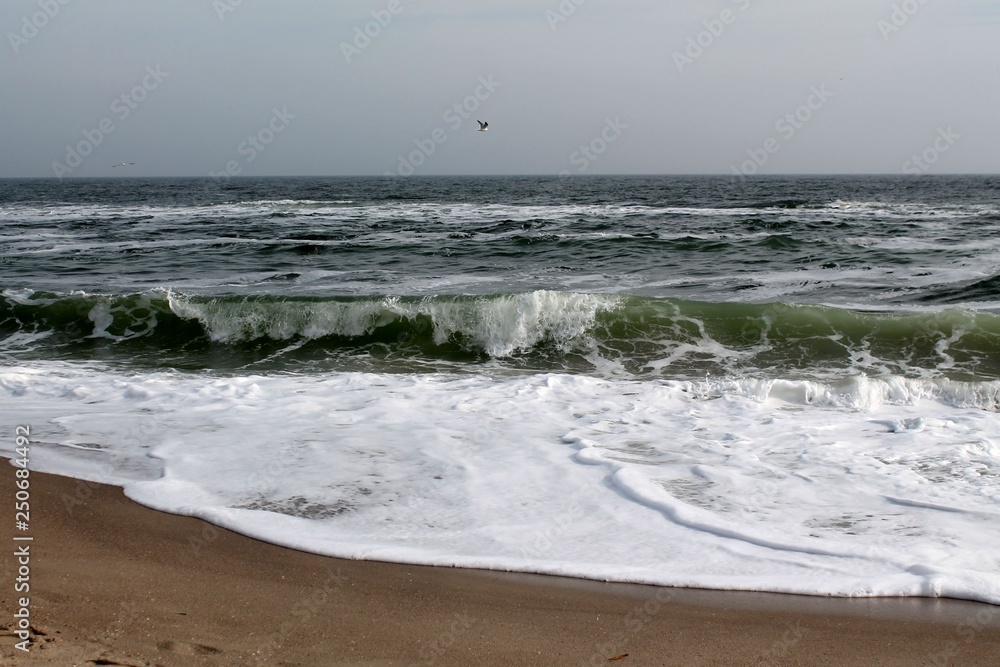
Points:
(305, 87)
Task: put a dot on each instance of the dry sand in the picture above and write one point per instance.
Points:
(115, 583)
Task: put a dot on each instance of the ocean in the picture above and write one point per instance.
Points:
(785, 384)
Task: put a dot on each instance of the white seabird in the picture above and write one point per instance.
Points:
(123, 164)
(483, 127)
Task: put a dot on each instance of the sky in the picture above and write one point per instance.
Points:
(228, 88)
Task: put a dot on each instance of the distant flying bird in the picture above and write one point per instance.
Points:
(483, 127)
(123, 164)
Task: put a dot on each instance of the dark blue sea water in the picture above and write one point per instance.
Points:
(803, 274)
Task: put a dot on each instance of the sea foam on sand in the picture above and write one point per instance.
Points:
(865, 488)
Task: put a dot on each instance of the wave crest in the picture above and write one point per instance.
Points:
(612, 335)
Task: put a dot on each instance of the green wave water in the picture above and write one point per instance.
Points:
(542, 330)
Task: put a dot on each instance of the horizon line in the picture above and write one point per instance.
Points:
(739, 177)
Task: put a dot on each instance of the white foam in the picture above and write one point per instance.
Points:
(872, 487)
(909, 210)
(500, 325)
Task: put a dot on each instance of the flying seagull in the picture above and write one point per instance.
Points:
(123, 164)
(483, 127)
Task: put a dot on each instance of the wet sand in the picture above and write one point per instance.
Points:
(115, 583)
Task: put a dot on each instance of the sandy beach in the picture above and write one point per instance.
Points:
(115, 583)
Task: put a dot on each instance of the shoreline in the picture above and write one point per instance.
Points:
(117, 582)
